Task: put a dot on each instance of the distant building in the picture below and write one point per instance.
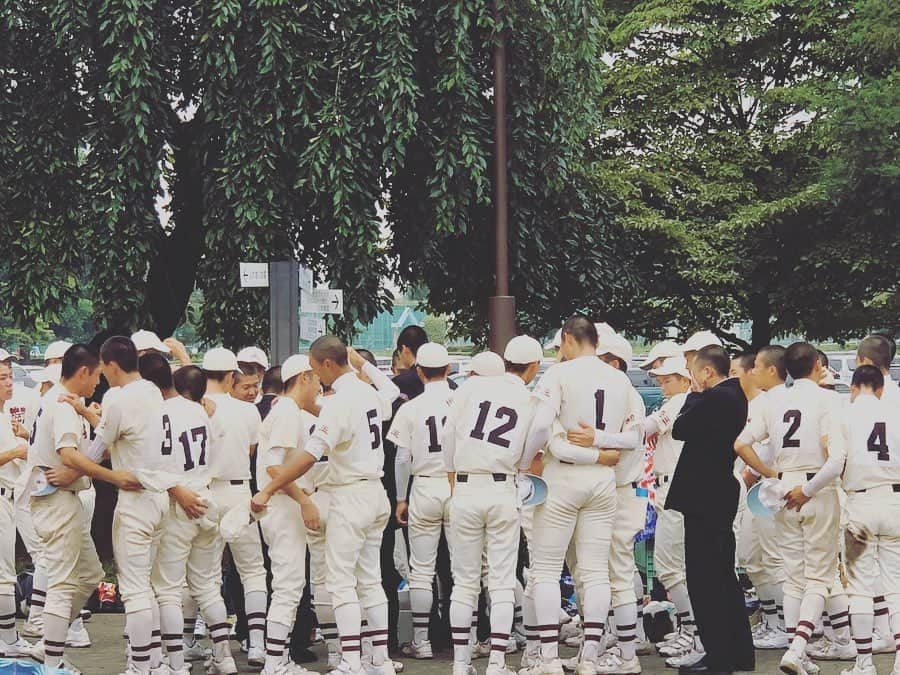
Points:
(381, 334)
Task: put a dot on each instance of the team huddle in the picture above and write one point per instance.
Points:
(469, 462)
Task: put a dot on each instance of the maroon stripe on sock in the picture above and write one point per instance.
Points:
(172, 636)
(276, 641)
(593, 624)
(806, 624)
(459, 643)
(142, 648)
(272, 652)
(349, 637)
(219, 638)
(174, 648)
(256, 615)
(843, 624)
(883, 611)
(862, 641)
(350, 648)
(549, 640)
(51, 643)
(548, 627)
(37, 603)
(220, 626)
(840, 615)
(500, 636)
(379, 643)
(498, 648)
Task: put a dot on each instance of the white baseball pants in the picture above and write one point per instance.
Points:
(631, 516)
(285, 534)
(246, 551)
(875, 512)
(429, 511)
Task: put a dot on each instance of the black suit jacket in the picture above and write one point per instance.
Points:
(704, 483)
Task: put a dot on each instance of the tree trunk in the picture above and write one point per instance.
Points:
(760, 318)
(174, 270)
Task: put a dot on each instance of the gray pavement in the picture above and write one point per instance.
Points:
(107, 656)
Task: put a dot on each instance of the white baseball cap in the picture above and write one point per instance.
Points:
(698, 341)
(487, 364)
(523, 349)
(56, 350)
(5, 355)
(604, 328)
(254, 355)
(432, 355)
(674, 365)
(556, 342)
(220, 360)
(147, 339)
(51, 373)
(615, 344)
(662, 350)
(293, 366)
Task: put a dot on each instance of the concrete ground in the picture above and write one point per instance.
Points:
(106, 656)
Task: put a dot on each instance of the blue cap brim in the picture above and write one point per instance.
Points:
(538, 491)
(757, 508)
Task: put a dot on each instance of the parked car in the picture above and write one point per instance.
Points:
(21, 376)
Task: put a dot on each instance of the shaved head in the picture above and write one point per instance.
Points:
(329, 347)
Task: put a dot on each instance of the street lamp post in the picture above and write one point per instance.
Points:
(501, 306)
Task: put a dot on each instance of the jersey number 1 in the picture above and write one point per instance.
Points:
(878, 442)
(434, 444)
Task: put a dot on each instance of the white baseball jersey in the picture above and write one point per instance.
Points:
(589, 391)
(419, 425)
(188, 436)
(9, 472)
(131, 427)
(795, 420)
(23, 405)
(891, 391)
(349, 431)
(668, 450)
(871, 432)
(240, 422)
(283, 435)
(488, 425)
(57, 425)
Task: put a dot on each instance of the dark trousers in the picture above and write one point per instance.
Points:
(716, 594)
(390, 581)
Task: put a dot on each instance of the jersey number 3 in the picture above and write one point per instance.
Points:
(878, 442)
(495, 437)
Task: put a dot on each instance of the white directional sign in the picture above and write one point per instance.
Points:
(306, 278)
(322, 301)
(254, 275)
(311, 328)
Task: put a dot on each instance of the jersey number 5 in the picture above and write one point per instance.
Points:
(495, 437)
(374, 428)
(878, 442)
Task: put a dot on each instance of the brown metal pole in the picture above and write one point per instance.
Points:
(502, 306)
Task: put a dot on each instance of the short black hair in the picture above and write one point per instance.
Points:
(190, 382)
(616, 362)
(271, 382)
(773, 355)
(218, 375)
(120, 350)
(250, 368)
(368, 356)
(800, 360)
(515, 368)
(877, 349)
(823, 358)
(329, 347)
(745, 360)
(433, 373)
(868, 376)
(715, 357)
(582, 329)
(412, 337)
(79, 356)
(154, 368)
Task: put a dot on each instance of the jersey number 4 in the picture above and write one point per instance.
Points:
(878, 442)
(495, 437)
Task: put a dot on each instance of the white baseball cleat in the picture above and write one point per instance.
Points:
(463, 669)
(78, 637)
(162, 670)
(13, 650)
(544, 667)
(570, 630)
(285, 668)
(645, 648)
(418, 650)
(832, 651)
(224, 666)
(857, 669)
(200, 630)
(184, 671)
(530, 658)
(334, 659)
(196, 652)
(793, 664)
(256, 656)
(686, 660)
(32, 629)
(498, 670)
(613, 664)
(481, 650)
(387, 668)
(569, 665)
(684, 644)
(880, 644)
(772, 639)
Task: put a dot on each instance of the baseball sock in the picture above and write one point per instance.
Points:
(767, 604)
(810, 608)
(838, 607)
(501, 622)
(862, 625)
(139, 627)
(218, 627)
(682, 602)
(626, 625)
(378, 629)
(8, 618)
(596, 607)
(461, 626)
(325, 617)
(791, 614)
(611, 627)
(276, 639)
(55, 629)
(365, 640)
(189, 611)
(171, 621)
(823, 627)
(156, 637)
(517, 610)
(473, 631)
(420, 601)
(532, 641)
(255, 604)
(639, 594)
(882, 616)
(546, 604)
(895, 630)
(38, 593)
(349, 622)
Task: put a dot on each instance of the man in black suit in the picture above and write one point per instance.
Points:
(706, 492)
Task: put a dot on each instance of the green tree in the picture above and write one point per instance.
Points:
(739, 180)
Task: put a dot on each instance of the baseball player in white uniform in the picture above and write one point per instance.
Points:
(416, 431)
(284, 434)
(230, 487)
(483, 441)
(349, 431)
(13, 452)
(60, 443)
(582, 496)
(871, 431)
(188, 545)
(809, 457)
(23, 405)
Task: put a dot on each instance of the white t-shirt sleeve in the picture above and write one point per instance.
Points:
(67, 427)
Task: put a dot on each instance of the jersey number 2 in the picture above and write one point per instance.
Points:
(792, 416)
(495, 437)
(878, 442)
